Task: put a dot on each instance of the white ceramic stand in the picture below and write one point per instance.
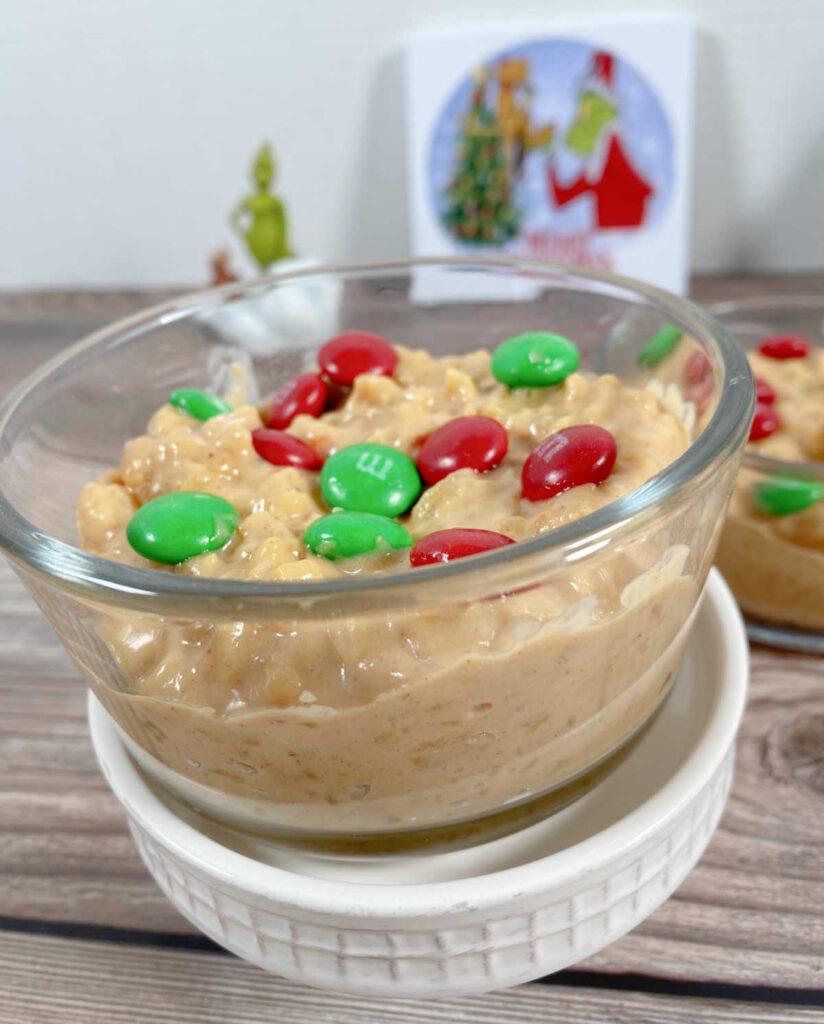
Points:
(303, 315)
(495, 915)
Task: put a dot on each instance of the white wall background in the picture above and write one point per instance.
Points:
(170, 97)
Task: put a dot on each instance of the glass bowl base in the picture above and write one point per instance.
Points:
(788, 638)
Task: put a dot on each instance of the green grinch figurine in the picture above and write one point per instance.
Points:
(260, 219)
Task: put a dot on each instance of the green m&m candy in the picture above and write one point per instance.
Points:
(659, 346)
(783, 495)
(347, 534)
(180, 525)
(200, 404)
(370, 478)
(536, 359)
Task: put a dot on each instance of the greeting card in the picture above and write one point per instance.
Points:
(568, 145)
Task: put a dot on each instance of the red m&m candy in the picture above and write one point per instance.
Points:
(573, 456)
(305, 395)
(764, 394)
(447, 545)
(698, 382)
(697, 368)
(468, 442)
(349, 355)
(765, 422)
(282, 449)
(785, 346)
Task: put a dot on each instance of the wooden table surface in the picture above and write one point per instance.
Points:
(86, 937)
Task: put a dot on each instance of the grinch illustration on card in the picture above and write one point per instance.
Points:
(565, 149)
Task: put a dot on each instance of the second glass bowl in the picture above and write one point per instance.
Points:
(775, 564)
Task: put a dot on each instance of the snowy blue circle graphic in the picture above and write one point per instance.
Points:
(547, 141)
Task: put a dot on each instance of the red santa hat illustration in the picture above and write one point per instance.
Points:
(600, 77)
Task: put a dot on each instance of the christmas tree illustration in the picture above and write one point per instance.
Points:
(479, 208)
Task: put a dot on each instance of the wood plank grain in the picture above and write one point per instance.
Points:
(752, 912)
(78, 982)
(64, 848)
(68, 308)
(724, 287)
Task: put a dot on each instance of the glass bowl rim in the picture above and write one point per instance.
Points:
(767, 465)
(98, 577)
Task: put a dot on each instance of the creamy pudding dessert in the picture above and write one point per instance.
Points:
(384, 461)
(772, 548)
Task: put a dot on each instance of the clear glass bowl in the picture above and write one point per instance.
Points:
(776, 566)
(488, 712)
